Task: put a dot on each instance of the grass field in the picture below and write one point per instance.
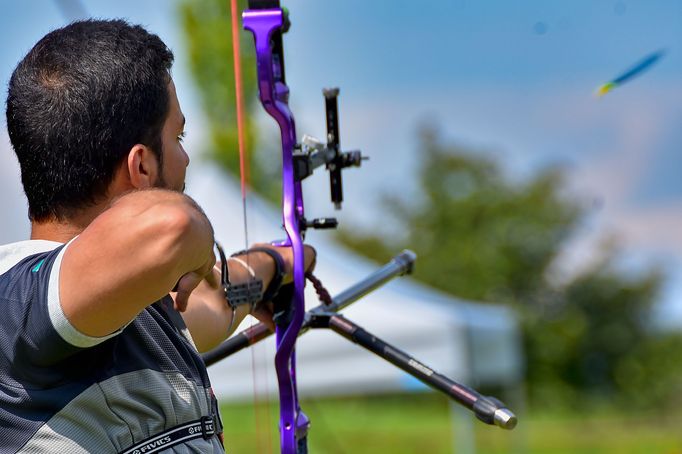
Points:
(422, 424)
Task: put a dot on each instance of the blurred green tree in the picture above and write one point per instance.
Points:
(208, 35)
(484, 237)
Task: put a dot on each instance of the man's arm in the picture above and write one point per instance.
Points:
(132, 255)
(208, 316)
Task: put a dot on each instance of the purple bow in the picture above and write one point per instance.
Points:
(265, 19)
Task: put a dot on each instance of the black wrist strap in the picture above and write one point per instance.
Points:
(238, 294)
(276, 282)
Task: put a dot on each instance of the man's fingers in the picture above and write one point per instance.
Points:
(181, 299)
(213, 278)
(264, 315)
(310, 255)
(186, 285)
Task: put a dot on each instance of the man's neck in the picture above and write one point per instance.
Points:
(63, 231)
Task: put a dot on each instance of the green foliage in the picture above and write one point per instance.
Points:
(482, 236)
(208, 33)
(592, 342)
(478, 235)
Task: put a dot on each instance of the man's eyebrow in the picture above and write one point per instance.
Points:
(183, 122)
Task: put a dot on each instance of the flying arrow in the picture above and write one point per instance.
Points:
(631, 73)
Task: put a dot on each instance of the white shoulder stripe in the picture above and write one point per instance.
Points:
(59, 321)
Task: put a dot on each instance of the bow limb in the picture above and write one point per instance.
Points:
(266, 24)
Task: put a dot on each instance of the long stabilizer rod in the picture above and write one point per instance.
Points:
(487, 409)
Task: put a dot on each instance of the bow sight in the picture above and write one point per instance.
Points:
(311, 153)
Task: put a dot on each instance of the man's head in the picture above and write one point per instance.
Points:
(78, 103)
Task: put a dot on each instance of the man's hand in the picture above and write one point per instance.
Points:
(264, 310)
(287, 254)
(206, 312)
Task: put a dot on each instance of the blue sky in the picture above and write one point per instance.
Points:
(512, 79)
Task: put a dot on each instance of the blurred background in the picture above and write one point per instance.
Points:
(541, 213)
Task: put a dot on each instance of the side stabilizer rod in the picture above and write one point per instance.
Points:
(488, 409)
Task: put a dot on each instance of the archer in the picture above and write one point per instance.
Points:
(98, 353)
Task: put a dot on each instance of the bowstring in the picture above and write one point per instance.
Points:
(244, 178)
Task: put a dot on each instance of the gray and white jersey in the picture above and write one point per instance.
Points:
(65, 392)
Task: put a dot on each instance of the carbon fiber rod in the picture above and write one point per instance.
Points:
(399, 265)
(487, 409)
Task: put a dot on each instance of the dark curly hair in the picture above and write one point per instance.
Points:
(82, 97)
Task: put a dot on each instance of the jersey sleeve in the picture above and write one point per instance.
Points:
(57, 318)
(36, 326)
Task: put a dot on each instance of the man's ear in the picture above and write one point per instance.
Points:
(143, 167)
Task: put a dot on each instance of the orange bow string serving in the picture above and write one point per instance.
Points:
(260, 404)
(239, 94)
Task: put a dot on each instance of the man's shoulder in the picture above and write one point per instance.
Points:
(13, 253)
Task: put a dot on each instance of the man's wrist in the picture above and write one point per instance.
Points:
(276, 282)
(247, 293)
